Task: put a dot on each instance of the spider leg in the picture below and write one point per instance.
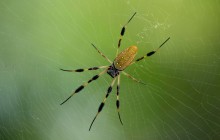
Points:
(117, 101)
(82, 70)
(103, 102)
(151, 53)
(123, 32)
(134, 79)
(84, 85)
(102, 54)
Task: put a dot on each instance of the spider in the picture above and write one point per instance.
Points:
(120, 63)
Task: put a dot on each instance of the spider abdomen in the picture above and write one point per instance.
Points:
(125, 58)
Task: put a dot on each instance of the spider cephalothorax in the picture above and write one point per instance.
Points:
(112, 71)
(122, 61)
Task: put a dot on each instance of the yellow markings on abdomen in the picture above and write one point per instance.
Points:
(125, 58)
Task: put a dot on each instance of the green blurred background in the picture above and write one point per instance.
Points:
(180, 101)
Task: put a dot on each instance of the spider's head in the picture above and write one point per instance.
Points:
(112, 71)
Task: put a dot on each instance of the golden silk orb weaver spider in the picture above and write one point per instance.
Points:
(120, 63)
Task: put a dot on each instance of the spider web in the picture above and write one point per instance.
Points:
(180, 100)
